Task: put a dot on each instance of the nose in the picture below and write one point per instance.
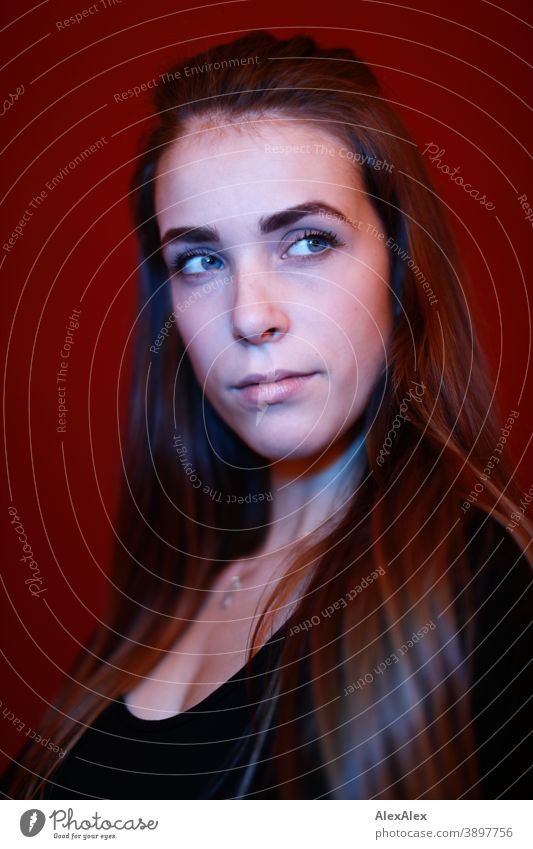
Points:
(257, 318)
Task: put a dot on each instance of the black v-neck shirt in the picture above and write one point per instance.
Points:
(203, 753)
(191, 755)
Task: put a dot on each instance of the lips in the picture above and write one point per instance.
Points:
(256, 390)
(271, 377)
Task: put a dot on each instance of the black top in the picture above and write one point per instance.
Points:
(502, 693)
(192, 755)
(203, 753)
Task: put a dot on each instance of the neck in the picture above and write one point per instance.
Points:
(310, 491)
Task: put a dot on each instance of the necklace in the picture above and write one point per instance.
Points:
(227, 598)
(235, 584)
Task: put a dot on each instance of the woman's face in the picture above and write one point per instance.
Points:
(278, 264)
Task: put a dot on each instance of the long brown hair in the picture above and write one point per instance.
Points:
(391, 567)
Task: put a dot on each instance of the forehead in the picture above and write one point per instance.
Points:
(251, 170)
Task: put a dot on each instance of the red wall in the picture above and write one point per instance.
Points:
(459, 81)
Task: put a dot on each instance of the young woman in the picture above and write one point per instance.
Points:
(321, 586)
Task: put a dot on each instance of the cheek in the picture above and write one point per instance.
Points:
(372, 298)
(202, 359)
(191, 321)
(364, 324)
(204, 347)
(360, 319)
(196, 343)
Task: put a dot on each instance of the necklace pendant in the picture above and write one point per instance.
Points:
(227, 598)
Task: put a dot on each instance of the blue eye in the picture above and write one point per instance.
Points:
(313, 243)
(196, 262)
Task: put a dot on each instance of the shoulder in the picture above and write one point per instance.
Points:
(501, 579)
(500, 653)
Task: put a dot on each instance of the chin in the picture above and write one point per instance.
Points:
(277, 442)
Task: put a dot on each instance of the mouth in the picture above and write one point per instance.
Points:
(273, 376)
(273, 388)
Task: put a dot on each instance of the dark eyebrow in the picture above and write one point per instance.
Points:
(289, 216)
(190, 234)
(267, 224)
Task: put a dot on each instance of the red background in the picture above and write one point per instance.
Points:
(459, 81)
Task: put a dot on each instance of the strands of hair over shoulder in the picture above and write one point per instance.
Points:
(408, 734)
